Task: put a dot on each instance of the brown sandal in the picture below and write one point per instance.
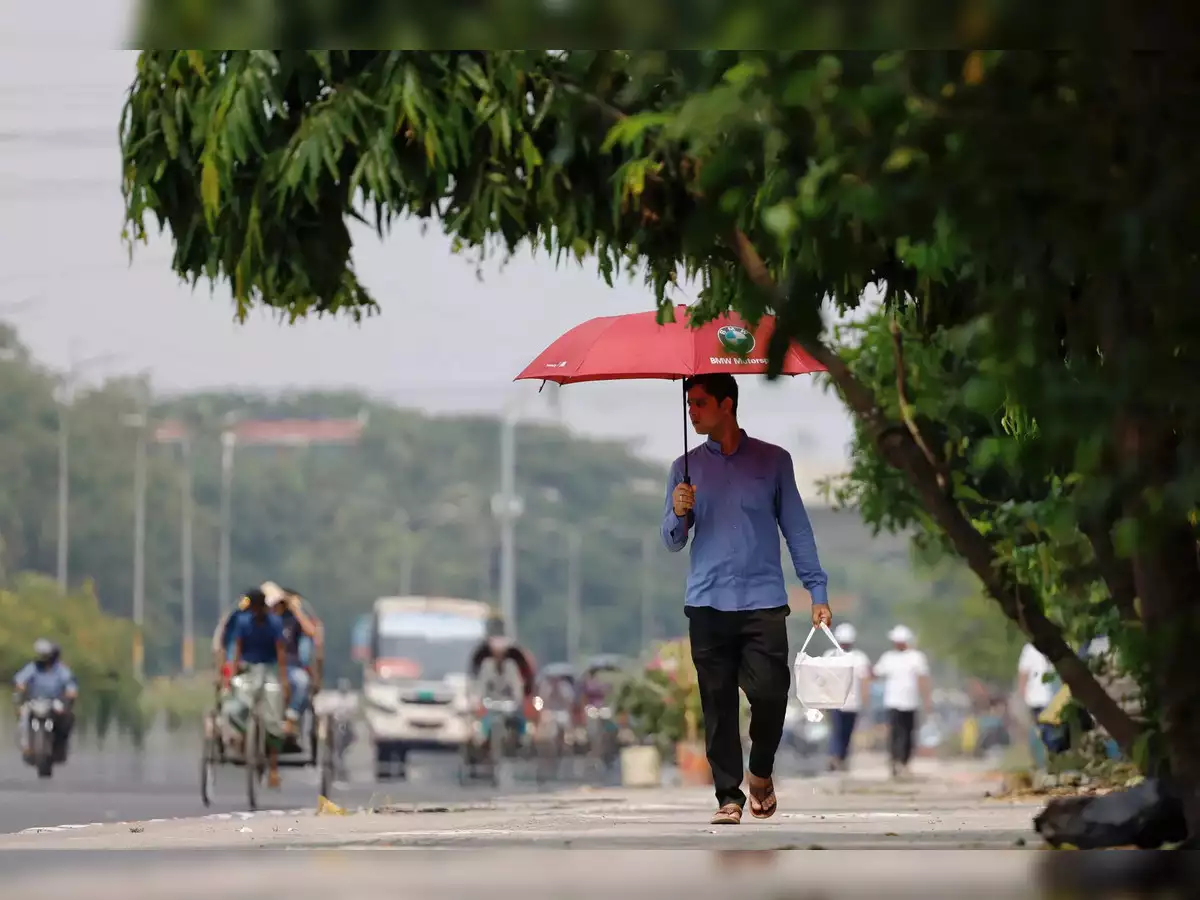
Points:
(729, 814)
(762, 797)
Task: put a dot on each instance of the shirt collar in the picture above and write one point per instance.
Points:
(715, 447)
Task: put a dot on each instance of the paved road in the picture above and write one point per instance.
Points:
(118, 785)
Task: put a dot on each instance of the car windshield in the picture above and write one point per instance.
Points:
(427, 646)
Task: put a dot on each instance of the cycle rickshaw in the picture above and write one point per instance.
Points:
(243, 740)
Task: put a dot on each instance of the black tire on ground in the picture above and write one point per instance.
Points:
(43, 754)
(391, 763)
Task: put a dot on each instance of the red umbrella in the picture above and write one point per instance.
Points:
(614, 348)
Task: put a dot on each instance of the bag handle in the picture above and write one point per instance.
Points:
(829, 634)
(815, 715)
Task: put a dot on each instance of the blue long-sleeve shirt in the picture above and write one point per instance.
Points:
(743, 502)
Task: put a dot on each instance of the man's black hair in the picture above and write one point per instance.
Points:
(718, 385)
(256, 597)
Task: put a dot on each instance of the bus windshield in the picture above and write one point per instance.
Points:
(431, 645)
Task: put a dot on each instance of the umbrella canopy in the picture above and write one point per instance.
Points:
(635, 346)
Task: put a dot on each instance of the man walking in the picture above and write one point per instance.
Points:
(905, 674)
(843, 720)
(1036, 690)
(742, 494)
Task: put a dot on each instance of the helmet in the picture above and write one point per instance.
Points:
(495, 627)
(845, 633)
(901, 635)
(43, 650)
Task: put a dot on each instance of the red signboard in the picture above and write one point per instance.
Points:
(298, 432)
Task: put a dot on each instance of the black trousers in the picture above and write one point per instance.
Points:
(747, 650)
(902, 725)
(841, 733)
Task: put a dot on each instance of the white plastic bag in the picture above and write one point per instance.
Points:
(823, 682)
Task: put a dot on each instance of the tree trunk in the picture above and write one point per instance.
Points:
(899, 449)
(1169, 587)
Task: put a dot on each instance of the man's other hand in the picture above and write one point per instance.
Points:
(683, 498)
(821, 615)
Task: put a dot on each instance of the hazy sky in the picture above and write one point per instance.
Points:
(61, 91)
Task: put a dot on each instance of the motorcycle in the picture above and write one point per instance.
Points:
(603, 735)
(44, 717)
(497, 734)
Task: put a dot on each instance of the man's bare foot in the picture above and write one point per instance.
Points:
(729, 814)
(273, 780)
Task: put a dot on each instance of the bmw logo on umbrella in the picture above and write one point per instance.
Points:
(736, 339)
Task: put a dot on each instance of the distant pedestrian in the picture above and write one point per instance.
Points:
(1036, 692)
(904, 671)
(844, 720)
(742, 494)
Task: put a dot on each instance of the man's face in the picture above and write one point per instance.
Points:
(706, 413)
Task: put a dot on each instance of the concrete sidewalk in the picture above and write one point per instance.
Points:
(942, 807)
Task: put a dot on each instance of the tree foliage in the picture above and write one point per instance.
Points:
(1032, 212)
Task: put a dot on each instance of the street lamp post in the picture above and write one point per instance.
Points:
(646, 540)
(507, 506)
(574, 594)
(139, 420)
(647, 588)
(407, 561)
(224, 562)
(176, 432)
(186, 565)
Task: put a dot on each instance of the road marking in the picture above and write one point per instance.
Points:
(450, 832)
(857, 815)
(240, 816)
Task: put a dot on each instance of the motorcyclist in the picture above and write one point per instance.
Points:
(499, 674)
(502, 671)
(46, 678)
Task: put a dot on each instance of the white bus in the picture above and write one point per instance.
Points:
(415, 675)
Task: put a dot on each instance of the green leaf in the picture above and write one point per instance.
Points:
(780, 220)
(210, 187)
(901, 158)
(630, 128)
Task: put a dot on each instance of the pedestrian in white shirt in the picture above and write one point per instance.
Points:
(1033, 685)
(1036, 692)
(906, 688)
(844, 719)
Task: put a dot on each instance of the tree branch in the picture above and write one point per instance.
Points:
(906, 409)
(898, 448)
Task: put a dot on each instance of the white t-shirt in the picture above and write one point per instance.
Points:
(901, 671)
(862, 670)
(1034, 666)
